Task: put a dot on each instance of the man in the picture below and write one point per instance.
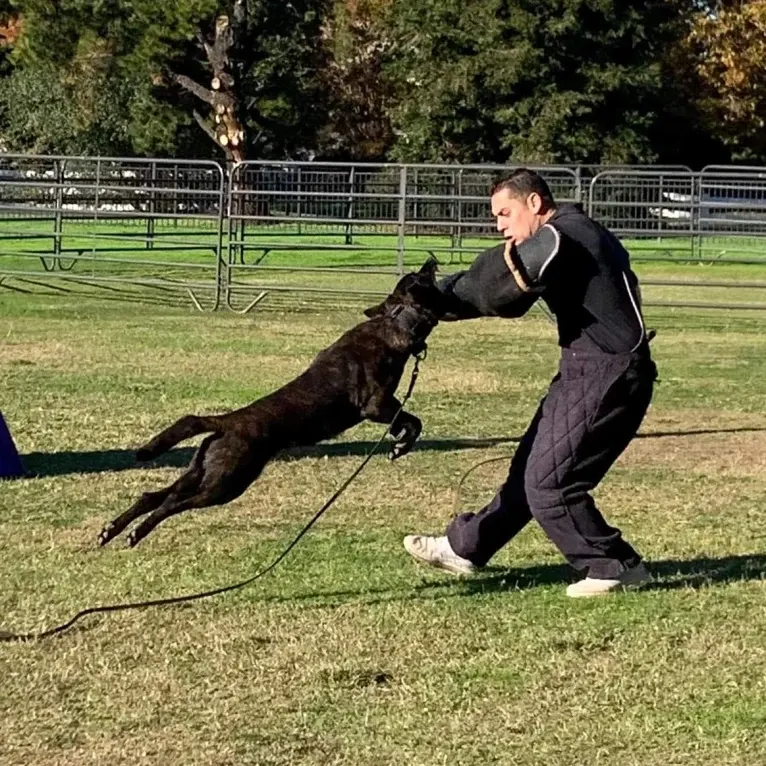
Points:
(595, 403)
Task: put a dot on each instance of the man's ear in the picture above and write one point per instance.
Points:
(430, 267)
(375, 311)
(535, 203)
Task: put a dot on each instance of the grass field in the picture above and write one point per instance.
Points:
(349, 653)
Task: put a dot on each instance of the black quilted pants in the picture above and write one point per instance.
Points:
(593, 409)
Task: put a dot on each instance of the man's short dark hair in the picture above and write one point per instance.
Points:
(521, 183)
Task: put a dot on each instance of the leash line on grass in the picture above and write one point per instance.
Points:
(6, 636)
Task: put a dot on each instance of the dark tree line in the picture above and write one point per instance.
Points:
(569, 81)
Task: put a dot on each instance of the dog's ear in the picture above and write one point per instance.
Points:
(430, 267)
(375, 311)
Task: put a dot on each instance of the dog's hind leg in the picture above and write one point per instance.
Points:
(146, 503)
(172, 505)
(185, 428)
(187, 483)
(226, 468)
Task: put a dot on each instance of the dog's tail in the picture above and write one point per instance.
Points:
(185, 428)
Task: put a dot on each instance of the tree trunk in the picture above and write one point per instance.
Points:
(224, 123)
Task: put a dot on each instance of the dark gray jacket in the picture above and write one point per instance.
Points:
(580, 270)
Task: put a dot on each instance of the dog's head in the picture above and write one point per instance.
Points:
(413, 308)
(416, 290)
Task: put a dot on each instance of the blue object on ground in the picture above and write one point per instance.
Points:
(10, 462)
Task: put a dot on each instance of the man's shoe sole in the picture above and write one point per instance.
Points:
(596, 593)
(642, 578)
(437, 563)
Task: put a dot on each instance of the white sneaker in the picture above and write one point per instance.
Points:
(596, 586)
(437, 552)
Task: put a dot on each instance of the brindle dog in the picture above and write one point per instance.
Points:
(355, 379)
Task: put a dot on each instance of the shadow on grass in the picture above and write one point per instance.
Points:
(43, 464)
(668, 574)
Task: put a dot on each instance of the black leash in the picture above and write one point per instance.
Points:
(456, 496)
(8, 636)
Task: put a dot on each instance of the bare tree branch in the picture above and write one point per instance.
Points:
(224, 79)
(203, 124)
(224, 95)
(208, 96)
(204, 44)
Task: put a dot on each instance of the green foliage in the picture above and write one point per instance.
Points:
(85, 73)
(285, 106)
(47, 109)
(727, 49)
(567, 81)
(359, 100)
(132, 45)
(587, 81)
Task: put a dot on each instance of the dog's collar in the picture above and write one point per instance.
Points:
(417, 323)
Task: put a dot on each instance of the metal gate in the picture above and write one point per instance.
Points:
(715, 219)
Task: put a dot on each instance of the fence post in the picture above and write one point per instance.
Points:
(221, 267)
(451, 207)
(459, 240)
(695, 217)
(234, 209)
(299, 205)
(175, 196)
(402, 217)
(416, 204)
(350, 211)
(58, 215)
(152, 208)
(98, 183)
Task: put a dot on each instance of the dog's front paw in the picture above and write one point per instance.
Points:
(399, 434)
(399, 449)
(406, 434)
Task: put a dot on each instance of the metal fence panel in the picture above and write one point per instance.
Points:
(707, 219)
(169, 229)
(732, 213)
(112, 224)
(653, 211)
(290, 217)
(330, 220)
(452, 201)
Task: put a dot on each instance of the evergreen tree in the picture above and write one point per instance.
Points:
(357, 97)
(564, 81)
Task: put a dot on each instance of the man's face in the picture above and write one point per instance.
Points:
(517, 218)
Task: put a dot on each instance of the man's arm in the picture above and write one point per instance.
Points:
(487, 288)
(458, 308)
(533, 261)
